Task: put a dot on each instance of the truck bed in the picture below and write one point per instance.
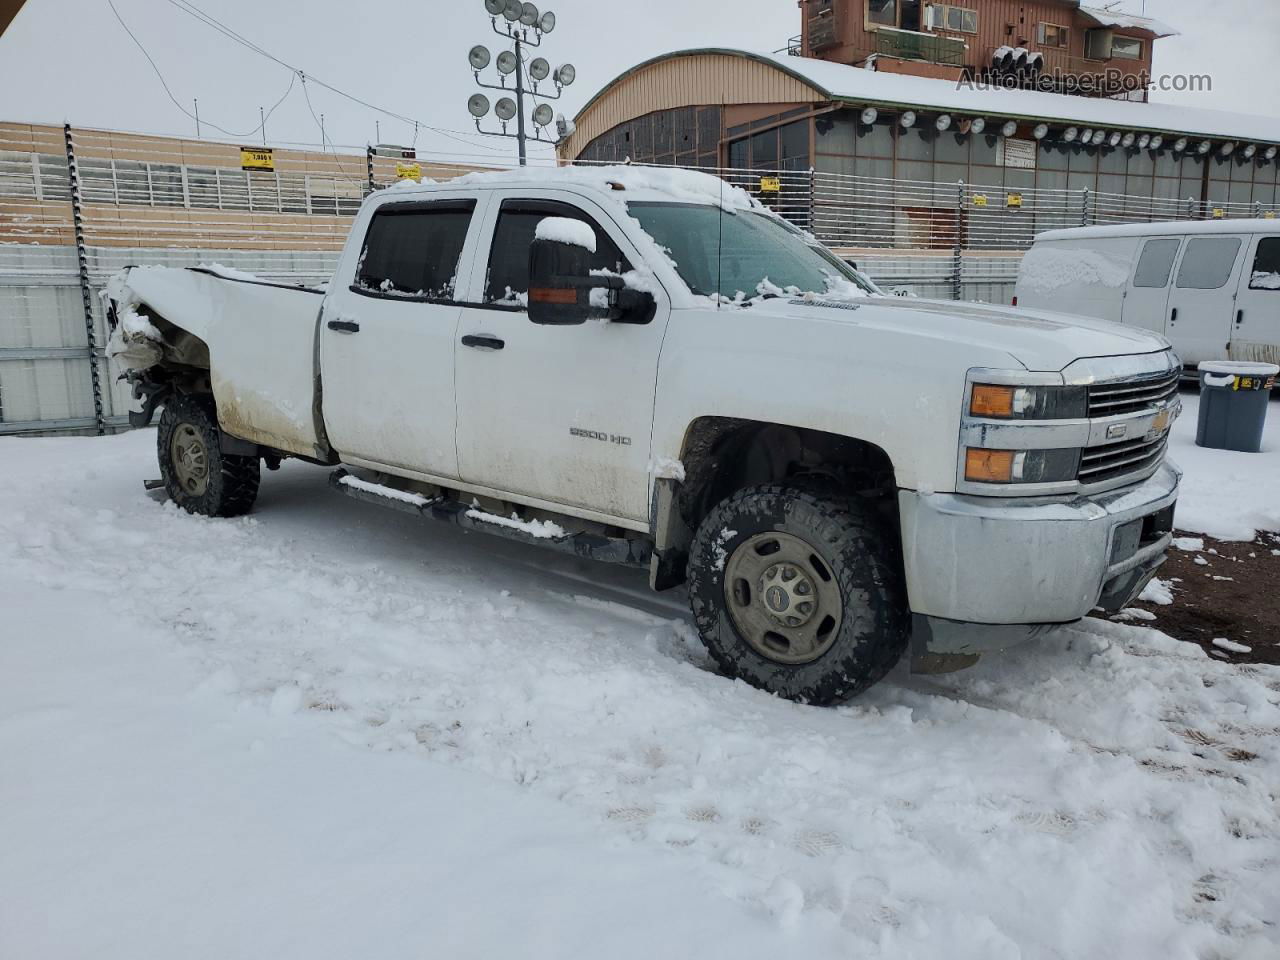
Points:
(262, 348)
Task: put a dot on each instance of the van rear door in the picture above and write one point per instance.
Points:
(1256, 333)
(1202, 302)
(1146, 300)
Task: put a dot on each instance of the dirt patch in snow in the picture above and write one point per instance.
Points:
(1224, 591)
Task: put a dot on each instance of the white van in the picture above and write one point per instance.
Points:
(1211, 287)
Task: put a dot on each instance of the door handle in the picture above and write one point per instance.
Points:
(483, 342)
(1239, 317)
(1173, 318)
(344, 326)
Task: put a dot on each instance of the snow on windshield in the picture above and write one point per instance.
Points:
(1047, 268)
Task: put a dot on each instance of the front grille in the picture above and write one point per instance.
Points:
(1132, 396)
(1100, 464)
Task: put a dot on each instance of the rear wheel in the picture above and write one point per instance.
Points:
(198, 476)
(798, 593)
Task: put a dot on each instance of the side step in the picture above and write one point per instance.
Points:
(633, 553)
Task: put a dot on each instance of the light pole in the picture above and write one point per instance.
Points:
(521, 20)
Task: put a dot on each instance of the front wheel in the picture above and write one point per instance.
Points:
(199, 477)
(798, 593)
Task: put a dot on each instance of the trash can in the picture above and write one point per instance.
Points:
(1234, 396)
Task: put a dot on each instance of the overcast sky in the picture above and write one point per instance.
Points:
(72, 60)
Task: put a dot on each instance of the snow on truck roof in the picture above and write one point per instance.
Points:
(842, 82)
(620, 183)
(1169, 228)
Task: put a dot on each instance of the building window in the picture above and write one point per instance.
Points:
(1052, 35)
(1126, 48)
(944, 16)
(884, 12)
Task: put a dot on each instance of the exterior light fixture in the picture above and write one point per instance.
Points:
(505, 109)
(1041, 131)
(566, 74)
(979, 124)
(529, 15)
(1115, 138)
(1087, 136)
(1144, 141)
(543, 115)
(1069, 135)
(868, 116)
(548, 22)
(513, 10)
(479, 57)
(539, 69)
(1129, 140)
(1157, 142)
(1249, 151)
(478, 105)
(943, 123)
(1228, 148)
(507, 62)
(1271, 153)
(1205, 147)
(1009, 129)
(908, 120)
(1098, 137)
(1180, 144)
(495, 7)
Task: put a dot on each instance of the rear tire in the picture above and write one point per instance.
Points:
(199, 477)
(799, 593)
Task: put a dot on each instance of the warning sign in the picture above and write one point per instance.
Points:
(257, 158)
(408, 171)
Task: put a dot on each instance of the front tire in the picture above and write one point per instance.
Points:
(798, 593)
(198, 476)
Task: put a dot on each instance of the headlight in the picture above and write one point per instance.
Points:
(1021, 466)
(996, 402)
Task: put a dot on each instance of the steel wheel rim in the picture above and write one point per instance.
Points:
(190, 458)
(782, 598)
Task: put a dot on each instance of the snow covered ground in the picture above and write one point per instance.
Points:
(323, 732)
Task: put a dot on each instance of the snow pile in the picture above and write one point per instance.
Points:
(1047, 268)
(323, 705)
(542, 529)
(1226, 495)
(1112, 18)
(665, 468)
(391, 493)
(566, 230)
(1159, 592)
(230, 273)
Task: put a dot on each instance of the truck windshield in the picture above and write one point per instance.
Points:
(745, 254)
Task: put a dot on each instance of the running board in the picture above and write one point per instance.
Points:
(632, 553)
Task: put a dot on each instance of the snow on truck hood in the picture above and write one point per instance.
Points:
(1039, 340)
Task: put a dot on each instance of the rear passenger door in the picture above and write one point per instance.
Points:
(1257, 327)
(1202, 302)
(387, 337)
(1147, 299)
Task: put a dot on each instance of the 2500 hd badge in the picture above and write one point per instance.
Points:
(597, 435)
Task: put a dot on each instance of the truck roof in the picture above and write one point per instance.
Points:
(1168, 228)
(618, 183)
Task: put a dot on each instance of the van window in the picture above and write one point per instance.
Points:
(413, 249)
(1266, 265)
(1208, 262)
(1156, 263)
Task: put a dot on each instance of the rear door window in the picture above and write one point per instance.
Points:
(1156, 263)
(1208, 263)
(507, 283)
(1266, 265)
(412, 249)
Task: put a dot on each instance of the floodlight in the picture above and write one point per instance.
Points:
(529, 15)
(539, 69)
(566, 74)
(505, 108)
(1041, 131)
(1087, 136)
(1157, 142)
(479, 57)
(1144, 141)
(1227, 148)
(507, 62)
(908, 120)
(943, 123)
(495, 7)
(1129, 139)
(1205, 147)
(1009, 129)
(1180, 144)
(478, 105)
(1250, 150)
(543, 115)
(1115, 138)
(1098, 137)
(979, 124)
(1271, 153)
(513, 10)
(548, 22)
(1069, 135)
(869, 116)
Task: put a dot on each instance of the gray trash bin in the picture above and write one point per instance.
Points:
(1234, 396)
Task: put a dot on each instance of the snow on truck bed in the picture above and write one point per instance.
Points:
(323, 731)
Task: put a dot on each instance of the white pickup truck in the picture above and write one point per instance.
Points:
(648, 367)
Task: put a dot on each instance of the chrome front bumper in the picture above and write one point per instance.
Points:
(982, 560)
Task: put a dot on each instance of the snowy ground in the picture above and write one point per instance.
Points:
(324, 732)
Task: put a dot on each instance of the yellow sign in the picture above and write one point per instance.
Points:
(1015, 200)
(257, 158)
(979, 200)
(408, 171)
(1219, 213)
(770, 185)
(1269, 215)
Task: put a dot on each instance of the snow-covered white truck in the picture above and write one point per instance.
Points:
(648, 367)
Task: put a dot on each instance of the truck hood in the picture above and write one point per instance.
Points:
(1039, 340)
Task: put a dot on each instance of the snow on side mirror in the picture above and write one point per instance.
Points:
(562, 289)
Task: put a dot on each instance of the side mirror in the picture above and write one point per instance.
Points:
(562, 291)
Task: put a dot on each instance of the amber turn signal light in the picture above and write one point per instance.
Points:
(988, 466)
(990, 401)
